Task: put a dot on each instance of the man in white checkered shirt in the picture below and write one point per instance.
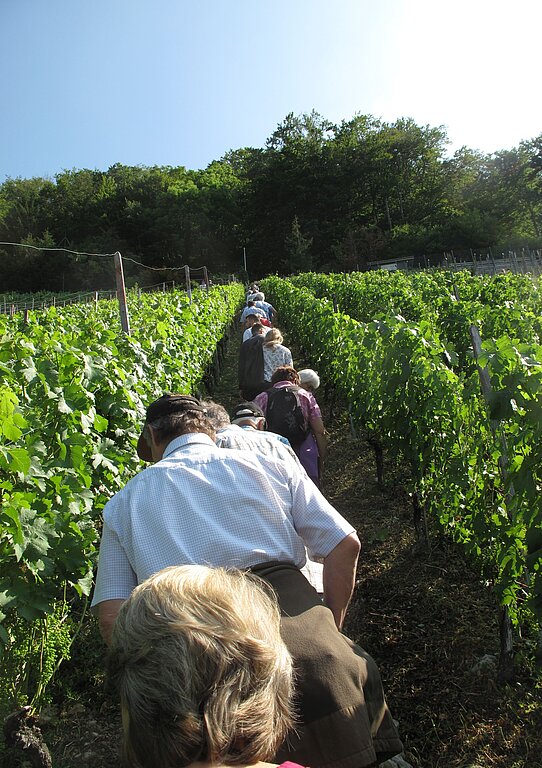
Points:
(198, 503)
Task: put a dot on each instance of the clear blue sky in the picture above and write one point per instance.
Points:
(88, 83)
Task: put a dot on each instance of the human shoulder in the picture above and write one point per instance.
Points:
(262, 436)
(260, 444)
(306, 395)
(312, 402)
(252, 342)
(261, 399)
(228, 434)
(136, 486)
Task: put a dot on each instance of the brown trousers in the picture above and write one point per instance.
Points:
(343, 718)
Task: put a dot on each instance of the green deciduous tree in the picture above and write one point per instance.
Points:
(358, 191)
(298, 249)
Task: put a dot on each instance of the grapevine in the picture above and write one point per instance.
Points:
(73, 393)
(416, 387)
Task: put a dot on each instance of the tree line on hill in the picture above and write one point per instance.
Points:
(318, 196)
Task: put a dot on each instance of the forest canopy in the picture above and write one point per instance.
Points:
(318, 196)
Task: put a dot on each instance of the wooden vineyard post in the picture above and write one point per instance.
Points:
(206, 277)
(506, 660)
(493, 261)
(121, 294)
(188, 285)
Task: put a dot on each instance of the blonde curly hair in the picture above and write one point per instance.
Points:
(201, 669)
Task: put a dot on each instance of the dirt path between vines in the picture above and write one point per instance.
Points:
(426, 619)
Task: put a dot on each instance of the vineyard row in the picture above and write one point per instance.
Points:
(407, 370)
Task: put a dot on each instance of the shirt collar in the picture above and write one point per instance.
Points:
(228, 428)
(191, 438)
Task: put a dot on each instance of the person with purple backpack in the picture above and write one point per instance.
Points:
(293, 412)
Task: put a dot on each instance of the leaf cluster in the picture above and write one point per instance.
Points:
(406, 370)
(73, 394)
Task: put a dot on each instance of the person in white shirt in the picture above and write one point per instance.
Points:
(250, 322)
(270, 311)
(246, 429)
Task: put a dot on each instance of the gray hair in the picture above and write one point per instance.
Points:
(309, 379)
(173, 425)
(254, 421)
(216, 413)
(202, 671)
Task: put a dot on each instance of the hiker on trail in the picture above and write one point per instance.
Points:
(270, 311)
(246, 429)
(250, 321)
(250, 367)
(252, 290)
(293, 412)
(251, 309)
(275, 353)
(310, 381)
(203, 674)
(201, 504)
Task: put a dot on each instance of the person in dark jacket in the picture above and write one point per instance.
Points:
(251, 364)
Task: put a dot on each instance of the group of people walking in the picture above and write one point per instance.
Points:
(286, 397)
(222, 651)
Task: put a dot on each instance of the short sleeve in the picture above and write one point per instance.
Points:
(318, 523)
(314, 408)
(261, 400)
(115, 579)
